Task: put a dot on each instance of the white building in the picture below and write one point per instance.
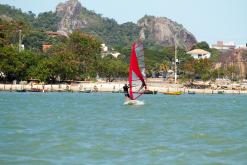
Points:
(115, 54)
(199, 54)
(104, 48)
(221, 45)
(22, 47)
(105, 51)
(242, 46)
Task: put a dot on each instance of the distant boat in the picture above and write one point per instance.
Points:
(36, 90)
(150, 92)
(173, 93)
(21, 90)
(221, 92)
(86, 91)
(191, 92)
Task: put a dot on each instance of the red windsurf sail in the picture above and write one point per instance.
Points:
(137, 71)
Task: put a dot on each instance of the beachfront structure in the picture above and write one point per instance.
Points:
(242, 46)
(199, 54)
(104, 48)
(220, 45)
(115, 54)
(22, 47)
(105, 51)
(45, 47)
(55, 34)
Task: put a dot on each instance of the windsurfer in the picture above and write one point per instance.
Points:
(126, 92)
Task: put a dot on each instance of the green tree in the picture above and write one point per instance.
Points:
(218, 73)
(44, 71)
(192, 69)
(9, 32)
(202, 45)
(232, 72)
(87, 48)
(47, 21)
(203, 68)
(66, 63)
(35, 39)
(28, 60)
(112, 68)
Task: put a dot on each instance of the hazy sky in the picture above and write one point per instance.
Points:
(208, 20)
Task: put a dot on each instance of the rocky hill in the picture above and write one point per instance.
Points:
(71, 15)
(164, 31)
(155, 30)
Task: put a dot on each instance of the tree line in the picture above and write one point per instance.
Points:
(78, 57)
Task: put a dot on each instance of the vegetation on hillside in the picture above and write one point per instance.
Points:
(10, 12)
(78, 57)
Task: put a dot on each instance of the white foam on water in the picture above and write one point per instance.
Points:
(134, 102)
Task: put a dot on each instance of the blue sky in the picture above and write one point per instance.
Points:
(208, 20)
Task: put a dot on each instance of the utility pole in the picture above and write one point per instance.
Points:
(20, 42)
(175, 70)
(176, 60)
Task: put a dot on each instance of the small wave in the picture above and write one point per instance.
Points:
(134, 102)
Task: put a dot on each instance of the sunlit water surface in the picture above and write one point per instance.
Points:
(96, 128)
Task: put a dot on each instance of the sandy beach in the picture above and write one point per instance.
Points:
(153, 85)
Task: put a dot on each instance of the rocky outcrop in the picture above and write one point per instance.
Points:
(6, 18)
(155, 30)
(70, 14)
(165, 32)
(237, 59)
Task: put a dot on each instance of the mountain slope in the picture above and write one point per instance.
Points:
(163, 31)
(71, 16)
(10, 13)
(155, 30)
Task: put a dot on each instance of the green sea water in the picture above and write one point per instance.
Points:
(96, 128)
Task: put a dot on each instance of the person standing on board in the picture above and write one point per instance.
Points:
(126, 92)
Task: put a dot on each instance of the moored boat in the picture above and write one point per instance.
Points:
(150, 92)
(37, 90)
(173, 93)
(221, 92)
(21, 90)
(191, 92)
(86, 91)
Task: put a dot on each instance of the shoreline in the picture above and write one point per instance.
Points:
(115, 87)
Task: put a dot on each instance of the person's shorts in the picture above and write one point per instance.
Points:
(127, 95)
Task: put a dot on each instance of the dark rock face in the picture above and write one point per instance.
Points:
(165, 32)
(156, 30)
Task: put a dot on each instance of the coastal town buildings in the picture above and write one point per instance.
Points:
(104, 48)
(45, 47)
(105, 51)
(242, 46)
(52, 34)
(199, 54)
(221, 45)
